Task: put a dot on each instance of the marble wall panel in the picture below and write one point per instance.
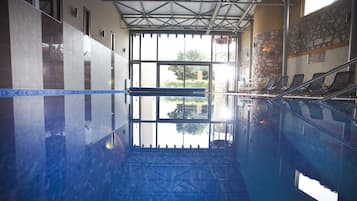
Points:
(73, 57)
(26, 45)
(52, 51)
(100, 66)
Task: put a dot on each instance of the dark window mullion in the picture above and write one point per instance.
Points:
(228, 42)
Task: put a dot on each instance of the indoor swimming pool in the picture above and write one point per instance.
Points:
(95, 147)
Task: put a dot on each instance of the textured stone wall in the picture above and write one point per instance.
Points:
(326, 28)
(267, 56)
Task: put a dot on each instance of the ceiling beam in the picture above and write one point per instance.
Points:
(207, 1)
(182, 17)
(246, 12)
(139, 16)
(213, 18)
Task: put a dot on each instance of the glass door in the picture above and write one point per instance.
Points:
(184, 76)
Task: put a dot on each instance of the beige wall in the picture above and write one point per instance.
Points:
(295, 11)
(245, 38)
(104, 16)
(244, 53)
(268, 18)
(334, 57)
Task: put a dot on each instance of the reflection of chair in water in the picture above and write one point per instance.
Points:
(341, 111)
(294, 106)
(221, 136)
(315, 110)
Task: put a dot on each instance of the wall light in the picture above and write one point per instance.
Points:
(102, 32)
(74, 12)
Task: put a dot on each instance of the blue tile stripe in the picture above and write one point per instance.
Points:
(53, 92)
(147, 91)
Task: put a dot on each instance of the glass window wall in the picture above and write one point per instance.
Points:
(182, 61)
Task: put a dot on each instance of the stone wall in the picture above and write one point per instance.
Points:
(267, 56)
(328, 27)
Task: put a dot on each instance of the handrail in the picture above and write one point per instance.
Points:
(337, 93)
(336, 69)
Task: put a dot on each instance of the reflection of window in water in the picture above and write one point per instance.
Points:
(314, 189)
(198, 111)
(222, 135)
(183, 108)
(88, 132)
(184, 135)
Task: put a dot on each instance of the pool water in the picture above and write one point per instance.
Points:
(113, 147)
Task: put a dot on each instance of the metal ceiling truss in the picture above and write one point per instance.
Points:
(188, 15)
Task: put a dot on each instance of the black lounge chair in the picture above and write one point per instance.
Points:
(341, 81)
(297, 80)
(267, 87)
(281, 84)
(316, 87)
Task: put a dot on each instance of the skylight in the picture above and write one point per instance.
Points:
(313, 5)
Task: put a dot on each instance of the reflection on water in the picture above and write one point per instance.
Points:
(278, 139)
(314, 189)
(183, 122)
(183, 107)
(64, 148)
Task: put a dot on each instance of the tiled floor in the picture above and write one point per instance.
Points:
(182, 175)
(164, 175)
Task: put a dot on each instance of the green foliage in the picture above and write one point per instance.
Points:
(188, 75)
(192, 128)
(182, 111)
(189, 72)
(191, 55)
(189, 83)
(188, 101)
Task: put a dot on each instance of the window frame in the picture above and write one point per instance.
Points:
(86, 21)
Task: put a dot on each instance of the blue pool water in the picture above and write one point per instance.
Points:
(111, 147)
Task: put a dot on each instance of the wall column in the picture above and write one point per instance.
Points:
(352, 50)
(251, 52)
(268, 43)
(285, 36)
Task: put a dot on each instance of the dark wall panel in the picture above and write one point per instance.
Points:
(52, 50)
(7, 149)
(5, 55)
(54, 114)
(87, 62)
